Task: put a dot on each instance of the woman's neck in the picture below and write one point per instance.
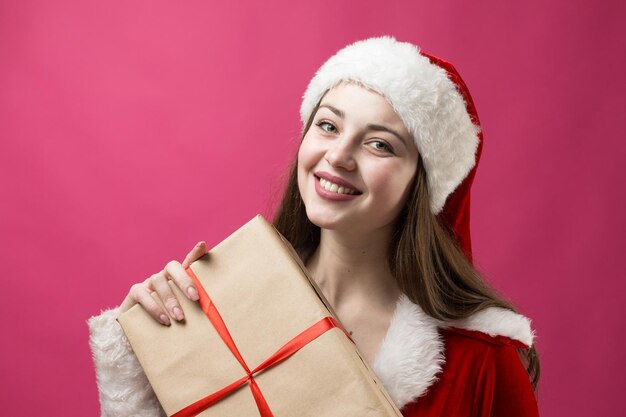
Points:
(352, 269)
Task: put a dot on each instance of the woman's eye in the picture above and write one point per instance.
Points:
(379, 145)
(327, 127)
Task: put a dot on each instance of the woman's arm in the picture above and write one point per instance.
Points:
(123, 387)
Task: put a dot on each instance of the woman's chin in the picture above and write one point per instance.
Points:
(328, 221)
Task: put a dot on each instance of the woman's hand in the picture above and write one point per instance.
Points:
(175, 271)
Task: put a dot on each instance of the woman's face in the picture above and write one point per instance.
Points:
(356, 162)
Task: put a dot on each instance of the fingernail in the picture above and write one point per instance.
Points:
(193, 294)
(164, 319)
(200, 243)
(178, 313)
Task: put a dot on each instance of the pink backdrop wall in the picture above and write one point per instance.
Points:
(131, 130)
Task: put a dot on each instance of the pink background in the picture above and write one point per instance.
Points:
(130, 130)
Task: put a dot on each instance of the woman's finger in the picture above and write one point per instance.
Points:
(141, 294)
(165, 293)
(177, 273)
(195, 253)
(130, 299)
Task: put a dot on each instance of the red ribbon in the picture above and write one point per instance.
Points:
(288, 349)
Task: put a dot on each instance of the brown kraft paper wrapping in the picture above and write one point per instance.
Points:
(265, 297)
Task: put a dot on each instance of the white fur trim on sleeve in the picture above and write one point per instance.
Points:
(123, 387)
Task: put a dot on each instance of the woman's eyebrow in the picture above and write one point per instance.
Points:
(335, 110)
(386, 129)
(370, 126)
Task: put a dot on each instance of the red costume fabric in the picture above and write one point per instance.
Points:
(483, 376)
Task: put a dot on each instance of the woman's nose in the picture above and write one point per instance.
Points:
(341, 154)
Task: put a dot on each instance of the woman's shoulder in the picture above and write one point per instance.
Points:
(482, 375)
(484, 348)
(482, 372)
(420, 353)
(485, 345)
(477, 355)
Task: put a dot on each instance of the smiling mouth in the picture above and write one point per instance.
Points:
(334, 188)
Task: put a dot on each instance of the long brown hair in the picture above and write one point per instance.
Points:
(424, 257)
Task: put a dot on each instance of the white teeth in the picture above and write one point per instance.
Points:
(334, 188)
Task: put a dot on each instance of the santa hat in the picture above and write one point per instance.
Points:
(434, 103)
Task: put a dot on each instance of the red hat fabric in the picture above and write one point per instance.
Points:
(456, 211)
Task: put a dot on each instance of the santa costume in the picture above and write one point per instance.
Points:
(468, 367)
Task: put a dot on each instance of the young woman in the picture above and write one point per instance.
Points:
(377, 206)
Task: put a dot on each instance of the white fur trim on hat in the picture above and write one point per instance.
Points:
(422, 95)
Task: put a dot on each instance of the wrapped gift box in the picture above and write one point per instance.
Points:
(256, 297)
